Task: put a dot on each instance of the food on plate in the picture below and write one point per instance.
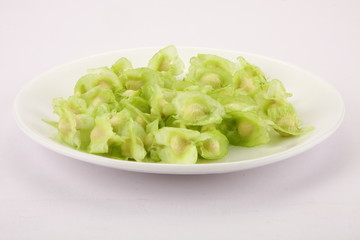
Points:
(165, 113)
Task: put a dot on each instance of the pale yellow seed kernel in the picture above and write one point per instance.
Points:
(134, 84)
(116, 120)
(129, 93)
(211, 146)
(287, 121)
(64, 126)
(104, 84)
(194, 111)
(245, 128)
(234, 106)
(212, 79)
(97, 101)
(140, 121)
(162, 105)
(246, 84)
(164, 66)
(97, 133)
(178, 144)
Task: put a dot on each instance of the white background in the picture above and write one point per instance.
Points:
(315, 195)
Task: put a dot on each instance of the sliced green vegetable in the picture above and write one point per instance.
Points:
(236, 103)
(167, 61)
(249, 78)
(119, 119)
(97, 96)
(151, 128)
(275, 90)
(176, 145)
(99, 77)
(67, 129)
(133, 146)
(214, 62)
(121, 65)
(160, 101)
(285, 119)
(197, 109)
(73, 104)
(139, 116)
(212, 144)
(100, 135)
(215, 78)
(74, 123)
(212, 70)
(246, 129)
(134, 79)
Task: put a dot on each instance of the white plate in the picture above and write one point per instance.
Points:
(317, 103)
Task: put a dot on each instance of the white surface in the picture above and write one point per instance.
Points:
(315, 195)
(318, 104)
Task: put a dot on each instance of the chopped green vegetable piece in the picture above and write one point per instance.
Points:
(212, 144)
(137, 114)
(176, 145)
(121, 65)
(197, 109)
(134, 79)
(100, 77)
(74, 123)
(236, 103)
(285, 119)
(167, 61)
(140, 103)
(150, 129)
(207, 69)
(73, 104)
(249, 78)
(160, 101)
(84, 121)
(133, 146)
(97, 96)
(119, 119)
(275, 90)
(100, 135)
(67, 129)
(210, 61)
(139, 79)
(246, 129)
(215, 78)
